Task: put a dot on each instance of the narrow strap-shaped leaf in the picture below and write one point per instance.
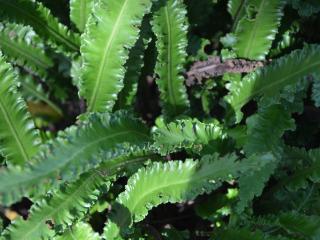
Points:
(170, 27)
(70, 203)
(271, 79)
(159, 184)
(33, 13)
(75, 153)
(134, 65)
(187, 133)
(81, 231)
(80, 11)
(111, 31)
(19, 139)
(257, 28)
(59, 210)
(23, 47)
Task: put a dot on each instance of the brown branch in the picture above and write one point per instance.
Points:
(214, 67)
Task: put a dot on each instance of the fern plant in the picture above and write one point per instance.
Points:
(102, 136)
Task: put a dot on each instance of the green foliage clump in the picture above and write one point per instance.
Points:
(159, 119)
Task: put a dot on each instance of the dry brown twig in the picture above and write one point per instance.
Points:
(214, 67)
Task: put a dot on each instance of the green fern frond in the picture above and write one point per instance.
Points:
(237, 9)
(134, 65)
(291, 97)
(105, 46)
(24, 48)
(159, 184)
(58, 210)
(81, 231)
(34, 14)
(70, 203)
(257, 28)
(187, 133)
(260, 138)
(253, 182)
(74, 153)
(19, 139)
(80, 11)
(271, 79)
(307, 227)
(170, 27)
(305, 166)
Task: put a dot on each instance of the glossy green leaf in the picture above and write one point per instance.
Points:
(34, 14)
(170, 27)
(112, 30)
(19, 138)
(75, 153)
(271, 79)
(257, 28)
(80, 11)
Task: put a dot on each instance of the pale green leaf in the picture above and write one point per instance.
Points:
(112, 30)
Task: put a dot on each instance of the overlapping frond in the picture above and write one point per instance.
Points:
(34, 14)
(253, 182)
(126, 97)
(187, 133)
(297, 224)
(170, 27)
(81, 231)
(80, 11)
(75, 153)
(260, 137)
(24, 48)
(58, 211)
(111, 31)
(62, 208)
(304, 166)
(271, 79)
(19, 138)
(257, 28)
(159, 184)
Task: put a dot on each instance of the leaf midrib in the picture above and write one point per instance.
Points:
(14, 132)
(169, 60)
(56, 34)
(262, 89)
(31, 176)
(190, 179)
(253, 33)
(102, 64)
(85, 183)
(36, 60)
(65, 202)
